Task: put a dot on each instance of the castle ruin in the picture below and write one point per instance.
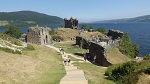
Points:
(97, 47)
(71, 23)
(38, 35)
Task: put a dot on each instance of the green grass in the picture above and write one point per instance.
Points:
(53, 71)
(69, 47)
(74, 59)
(93, 73)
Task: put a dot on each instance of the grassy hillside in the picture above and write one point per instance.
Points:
(41, 66)
(26, 18)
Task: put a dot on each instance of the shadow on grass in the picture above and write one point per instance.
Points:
(79, 54)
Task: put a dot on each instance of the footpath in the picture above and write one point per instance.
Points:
(73, 74)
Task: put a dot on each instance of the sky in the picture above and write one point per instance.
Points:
(84, 10)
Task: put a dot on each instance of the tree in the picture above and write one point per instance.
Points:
(86, 26)
(102, 30)
(13, 31)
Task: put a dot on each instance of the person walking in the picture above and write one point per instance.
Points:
(65, 61)
(62, 50)
(69, 61)
(85, 58)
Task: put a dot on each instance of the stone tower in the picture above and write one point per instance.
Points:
(71, 23)
(38, 35)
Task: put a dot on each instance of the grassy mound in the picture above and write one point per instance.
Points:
(116, 57)
(67, 34)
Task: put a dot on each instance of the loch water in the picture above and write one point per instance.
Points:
(139, 33)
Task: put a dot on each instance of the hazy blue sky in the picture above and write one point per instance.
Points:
(84, 10)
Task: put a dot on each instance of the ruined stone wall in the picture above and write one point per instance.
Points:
(38, 35)
(71, 23)
(96, 52)
(33, 37)
(82, 42)
(115, 34)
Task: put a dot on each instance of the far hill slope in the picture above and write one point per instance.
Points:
(145, 18)
(25, 18)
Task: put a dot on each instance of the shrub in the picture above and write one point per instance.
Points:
(102, 30)
(118, 73)
(110, 69)
(57, 38)
(147, 71)
(52, 32)
(17, 43)
(132, 78)
(29, 47)
(10, 50)
(147, 57)
(86, 27)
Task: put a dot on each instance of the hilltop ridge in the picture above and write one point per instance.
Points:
(145, 18)
(28, 18)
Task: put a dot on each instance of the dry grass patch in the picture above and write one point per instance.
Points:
(67, 34)
(41, 66)
(116, 57)
(144, 79)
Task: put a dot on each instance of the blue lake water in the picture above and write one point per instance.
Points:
(139, 33)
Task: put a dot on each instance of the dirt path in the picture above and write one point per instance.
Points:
(73, 74)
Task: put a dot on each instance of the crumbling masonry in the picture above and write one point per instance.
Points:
(38, 35)
(71, 23)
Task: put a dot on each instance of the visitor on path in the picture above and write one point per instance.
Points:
(85, 58)
(65, 61)
(61, 50)
(68, 61)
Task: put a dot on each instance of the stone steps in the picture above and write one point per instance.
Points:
(73, 74)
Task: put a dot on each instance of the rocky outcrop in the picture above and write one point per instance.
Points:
(115, 34)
